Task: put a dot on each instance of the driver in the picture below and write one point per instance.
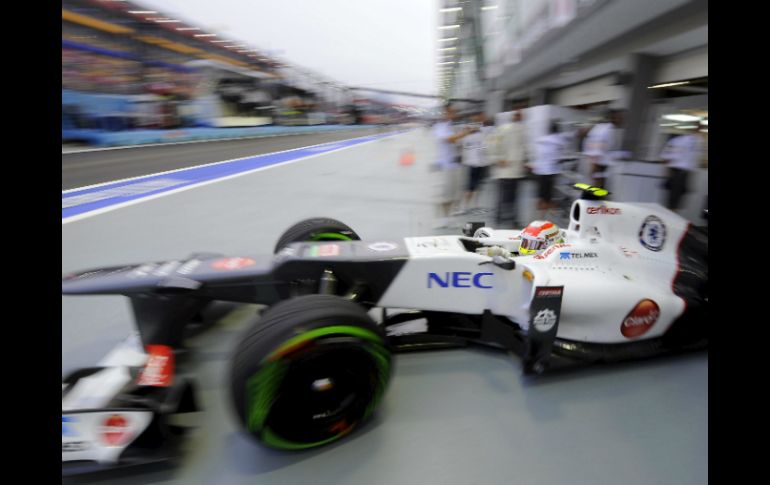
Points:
(538, 236)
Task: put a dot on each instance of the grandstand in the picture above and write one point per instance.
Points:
(125, 66)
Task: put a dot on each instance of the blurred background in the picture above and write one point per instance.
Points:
(145, 72)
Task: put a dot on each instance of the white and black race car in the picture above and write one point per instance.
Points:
(628, 281)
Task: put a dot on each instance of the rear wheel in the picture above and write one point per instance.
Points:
(316, 229)
(309, 372)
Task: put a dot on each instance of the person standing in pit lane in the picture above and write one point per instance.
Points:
(549, 150)
(602, 146)
(448, 164)
(474, 157)
(509, 168)
(682, 154)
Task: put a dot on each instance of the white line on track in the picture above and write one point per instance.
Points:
(103, 210)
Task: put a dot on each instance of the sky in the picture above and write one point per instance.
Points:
(387, 44)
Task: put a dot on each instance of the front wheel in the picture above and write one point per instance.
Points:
(316, 229)
(309, 372)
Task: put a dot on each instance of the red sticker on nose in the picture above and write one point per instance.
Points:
(228, 264)
(115, 430)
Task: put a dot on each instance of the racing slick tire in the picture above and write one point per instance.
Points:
(316, 229)
(310, 371)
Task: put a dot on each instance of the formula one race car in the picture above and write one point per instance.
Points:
(623, 281)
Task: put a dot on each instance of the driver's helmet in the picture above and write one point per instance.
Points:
(539, 235)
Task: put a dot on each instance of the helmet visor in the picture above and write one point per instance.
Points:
(529, 246)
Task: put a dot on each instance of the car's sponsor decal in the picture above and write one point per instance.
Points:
(551, 250)
(72, 446)
(115, 430)
(652, 234)
(84, 275)
(228, 264)
(142, 271)
(549, 291)
(428, 244)
(167, 268)
(570, 255)
(287, 251)
(640, 319)
(628, 252)
(544, 320)
(189, 266)
(67, 430)
(159, 369)
(603, 210)
(432, 245)
(323, 250)
(383, 246)
(460, 279)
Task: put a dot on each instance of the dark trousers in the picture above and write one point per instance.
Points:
(677, 187)
(507, 208)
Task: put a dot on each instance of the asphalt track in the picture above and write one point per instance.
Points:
(88, 167)
(449, 417)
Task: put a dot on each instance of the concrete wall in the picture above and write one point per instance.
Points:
(593, 91)
(686, 65)
(643, 182)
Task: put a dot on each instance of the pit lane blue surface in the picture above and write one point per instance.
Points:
(81, 201)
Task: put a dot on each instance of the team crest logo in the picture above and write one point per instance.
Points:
(544, 320)
(652, 234)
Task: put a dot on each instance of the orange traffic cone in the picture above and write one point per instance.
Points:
(407, 158)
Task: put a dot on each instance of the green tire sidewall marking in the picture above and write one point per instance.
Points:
(261, 392)
(272, 439)
(324, 331)
(330, 235)
(383, 364)
(261, 388)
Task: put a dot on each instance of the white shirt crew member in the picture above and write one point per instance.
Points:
(511, 148)
(549, 150)
(446, 152)
(600, 142)
(683, 152)
(474, 148)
